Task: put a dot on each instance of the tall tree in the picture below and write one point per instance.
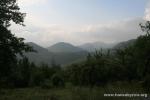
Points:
(10, 45)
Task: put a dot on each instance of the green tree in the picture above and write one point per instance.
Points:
(10, 45)
(9, 11)
(146, 27)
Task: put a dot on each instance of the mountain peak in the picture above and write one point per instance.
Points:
(63, 43)
(64, 47)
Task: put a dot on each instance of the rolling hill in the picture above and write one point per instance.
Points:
(124, 44)
(63, 47)
(66, 56)
(41, 56)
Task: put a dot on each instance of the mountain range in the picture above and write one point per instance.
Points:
(64, 53)
(91, 47)
(60, 53)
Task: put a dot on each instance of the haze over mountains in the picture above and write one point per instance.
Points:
(64, 47)
(124, 44)
(65, 53)
(91, 47)
(60, 53)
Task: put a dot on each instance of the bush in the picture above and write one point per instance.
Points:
(57, 80)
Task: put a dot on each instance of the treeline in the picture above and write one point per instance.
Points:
(27, 74)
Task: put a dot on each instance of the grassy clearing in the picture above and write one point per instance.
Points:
(71, 93)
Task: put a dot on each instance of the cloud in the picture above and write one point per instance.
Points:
(44, 35)
(109, 32)
(42, 32)
(112, 32)
(147, 12)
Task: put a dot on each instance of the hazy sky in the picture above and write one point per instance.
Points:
(81, 21)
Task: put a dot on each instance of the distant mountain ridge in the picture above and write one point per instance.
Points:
(63, 47)
(43, 55)
(64, 53)
(124, 44)
(91, 47)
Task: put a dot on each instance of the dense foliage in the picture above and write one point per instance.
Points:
(10, 45)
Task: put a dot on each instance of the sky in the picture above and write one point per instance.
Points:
(81, 21)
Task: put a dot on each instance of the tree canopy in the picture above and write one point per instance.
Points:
(10, 45)
(10, 11)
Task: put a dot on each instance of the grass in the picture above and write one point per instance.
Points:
(69, 93)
